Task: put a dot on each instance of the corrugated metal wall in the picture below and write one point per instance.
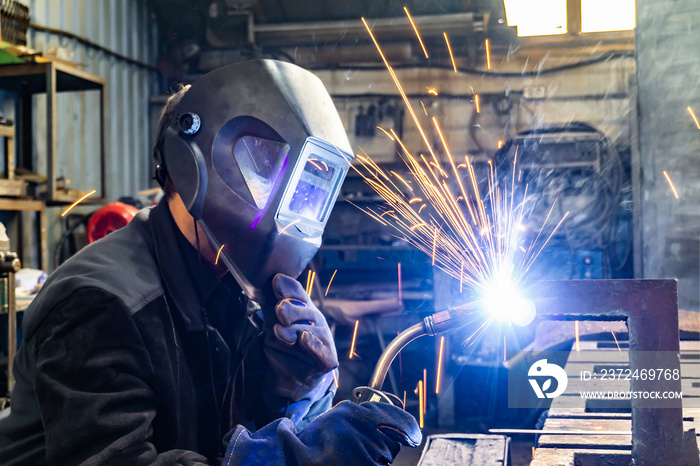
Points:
(669, 142)
(127, 28)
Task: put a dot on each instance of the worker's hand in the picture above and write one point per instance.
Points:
(369, 433)
(298, 342)
(366, 434)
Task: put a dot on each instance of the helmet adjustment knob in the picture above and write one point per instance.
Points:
(189, 123)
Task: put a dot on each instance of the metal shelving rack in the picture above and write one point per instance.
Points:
(26, 80)
(50, 78)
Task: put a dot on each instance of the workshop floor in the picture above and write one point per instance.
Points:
(520, 451)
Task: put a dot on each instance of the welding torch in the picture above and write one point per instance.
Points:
(432, 325)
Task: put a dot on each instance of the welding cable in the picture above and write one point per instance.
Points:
(603, 186)
(525, 74)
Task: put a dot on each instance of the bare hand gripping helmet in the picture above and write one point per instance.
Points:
(257, 152)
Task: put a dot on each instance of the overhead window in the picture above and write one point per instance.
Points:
(536, 17)
(607, 15)
(549, 17)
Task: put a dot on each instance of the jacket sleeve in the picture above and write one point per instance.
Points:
(263, 391)
(303, 410)
(92, 382)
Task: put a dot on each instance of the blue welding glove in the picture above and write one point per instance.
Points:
(299, 347)
(348, 434)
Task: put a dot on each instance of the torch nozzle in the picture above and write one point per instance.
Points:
(449, 319)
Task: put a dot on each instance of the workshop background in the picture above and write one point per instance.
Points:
(599, 96)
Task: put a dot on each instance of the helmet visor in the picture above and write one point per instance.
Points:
(314, 186)
(260, 161)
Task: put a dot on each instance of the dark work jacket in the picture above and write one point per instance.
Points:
(123, 363)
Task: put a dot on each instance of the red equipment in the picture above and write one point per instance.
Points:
(108, 219)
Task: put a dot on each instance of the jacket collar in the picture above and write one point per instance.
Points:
(188, 284)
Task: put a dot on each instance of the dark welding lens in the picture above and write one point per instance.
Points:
(260, 161)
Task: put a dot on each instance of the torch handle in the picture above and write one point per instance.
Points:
(373, 391)
(390, 352)
(434, 324)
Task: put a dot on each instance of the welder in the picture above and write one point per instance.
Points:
(184, 337)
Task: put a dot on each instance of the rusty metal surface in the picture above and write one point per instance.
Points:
(650, 310)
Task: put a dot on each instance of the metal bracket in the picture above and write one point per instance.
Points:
(650, 310)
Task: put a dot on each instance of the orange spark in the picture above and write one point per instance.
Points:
(424, 110)
(447, 41)
(310, 282)
(78, 202)
(500, 143)
(416, 29)
(399, 268)
(404, 398)
(488, 55)
(402, 180)
(335, 378)
(695, 119)
(618, 344)
(329, 283)
(218, 253)
(386, 132)
(420, 403)
(533, 452)
(578, 347)
(673, 188)
(354, 337)
(283, 229)
(439, 369)
(400, 89)
(432, 90)
(415, 199)
(461, 244)
(313, 162)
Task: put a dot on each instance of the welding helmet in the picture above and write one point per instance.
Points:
(258, 153)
